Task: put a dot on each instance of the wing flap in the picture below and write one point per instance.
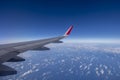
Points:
(7, 56)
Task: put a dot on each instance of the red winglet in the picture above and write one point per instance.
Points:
(68, 31)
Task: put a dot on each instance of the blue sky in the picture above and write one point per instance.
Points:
(34, 19)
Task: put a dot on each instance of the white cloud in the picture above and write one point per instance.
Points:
(91, 47)
(26, 73)
(93, 41)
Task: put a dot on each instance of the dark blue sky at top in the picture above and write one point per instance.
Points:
(46, 18)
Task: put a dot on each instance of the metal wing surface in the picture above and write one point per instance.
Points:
(10, 51)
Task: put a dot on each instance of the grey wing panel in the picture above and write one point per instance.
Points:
(37, 44)
(14, 49)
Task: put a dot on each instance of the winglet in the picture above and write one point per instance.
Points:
(68, 31)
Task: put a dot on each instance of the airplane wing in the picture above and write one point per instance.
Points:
(9, 52)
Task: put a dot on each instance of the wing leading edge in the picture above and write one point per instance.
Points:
(10, 51)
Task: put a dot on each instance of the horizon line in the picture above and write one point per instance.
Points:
(69, 40)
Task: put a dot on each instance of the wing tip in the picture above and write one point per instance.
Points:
(67, 33)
